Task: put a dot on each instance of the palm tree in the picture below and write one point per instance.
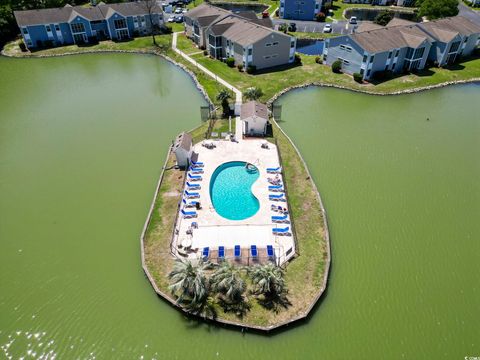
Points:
(268, 281)
(189, 283)
(223, 97)
(227, 281)
(253, 93)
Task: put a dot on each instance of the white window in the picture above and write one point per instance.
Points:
(57, 27)
(268, 44)
(48, 28)
(25, 30)
(275, 43)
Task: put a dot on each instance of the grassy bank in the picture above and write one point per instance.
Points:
(338, 7)
(310, 72)
(275, 80)
(304, 275)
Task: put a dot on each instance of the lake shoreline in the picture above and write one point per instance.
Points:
(269, 101)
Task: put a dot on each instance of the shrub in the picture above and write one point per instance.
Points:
(230, 62)
(298, 59)
(320, 17)
(283, 28)
(383, 18)
(253, 93)
(319, 60)
(203, 47)
(240, 67)
(22, 46)
(358, 77)
(48, 43)
(39, 43)
(251, 69)
(205, 52)
(337, 66)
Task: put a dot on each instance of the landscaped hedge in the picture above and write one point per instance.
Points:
(337, 66)
(230, 62)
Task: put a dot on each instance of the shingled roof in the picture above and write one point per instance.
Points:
(253, 108)
(68, 13)
(401, 33)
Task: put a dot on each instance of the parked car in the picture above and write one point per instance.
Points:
(179, 18)
(178, 10)
(327, 28)
(353, 20)
(292, 27)
(171, 19)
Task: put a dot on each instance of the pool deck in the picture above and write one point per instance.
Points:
(214, 230)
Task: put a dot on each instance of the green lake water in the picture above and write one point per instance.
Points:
(82, 140)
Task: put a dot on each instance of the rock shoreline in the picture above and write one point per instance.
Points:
(273, 98)
(399, 92)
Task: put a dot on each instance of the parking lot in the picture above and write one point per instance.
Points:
(338, 27)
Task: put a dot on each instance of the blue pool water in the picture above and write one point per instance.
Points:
(231, 193)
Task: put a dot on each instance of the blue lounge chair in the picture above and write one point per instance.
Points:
(197, 164)
(274, 170)
(253, 251)
(276, 188)
(270, 252)
(196, 170)
(193, 185)
(283, 218)
(221, 252)
(191, 195)
(237, 252)
(194, 177)
(278, 197)
(189, 214)
(205, 252)
(189, 204)
(280, 231)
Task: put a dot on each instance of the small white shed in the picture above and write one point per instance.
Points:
(254, 116)
(182, 148)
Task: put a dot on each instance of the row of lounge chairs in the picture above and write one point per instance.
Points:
(279, 195)
(190, 193)
(237, 252)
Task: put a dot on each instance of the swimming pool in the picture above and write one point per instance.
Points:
(231, 193)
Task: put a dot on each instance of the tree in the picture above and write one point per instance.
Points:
(223, 97)
(436, 9)
(383, 18)
(149, 6)
(253, 93)
(189, 284)
(269, 285)
(227, 281)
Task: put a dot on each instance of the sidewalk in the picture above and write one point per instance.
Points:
(238, 93)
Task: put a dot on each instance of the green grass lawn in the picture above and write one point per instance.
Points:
(317, 35)
(309, 72)
(187, 45)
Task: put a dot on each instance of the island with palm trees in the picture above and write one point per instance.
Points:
(261, 287)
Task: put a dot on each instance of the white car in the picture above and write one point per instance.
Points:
(178, 10)
(327, 28)
(353, 20)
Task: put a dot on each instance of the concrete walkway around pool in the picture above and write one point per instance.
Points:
(214, 230)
